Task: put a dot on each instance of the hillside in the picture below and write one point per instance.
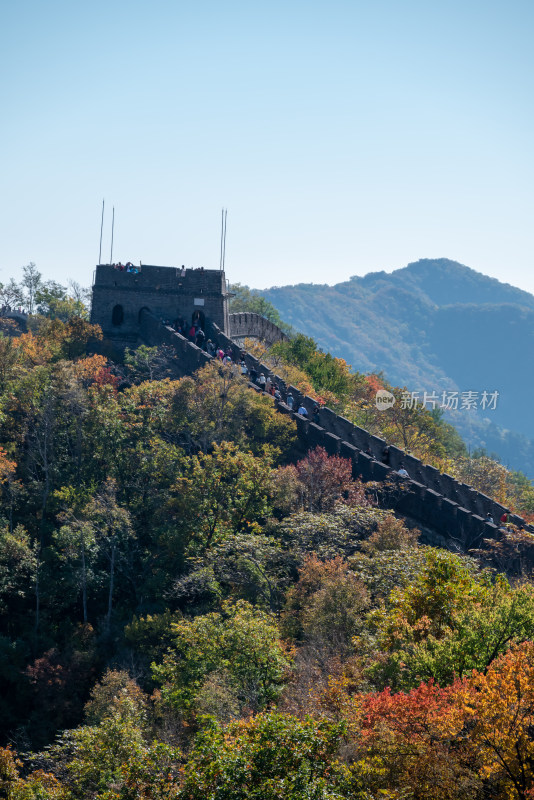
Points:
(200, 598)
(434, 325)
(192, 607)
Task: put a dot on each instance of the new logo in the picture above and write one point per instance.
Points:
(384, 400)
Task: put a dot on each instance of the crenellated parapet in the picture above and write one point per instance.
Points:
(253, 326)
(452, 513)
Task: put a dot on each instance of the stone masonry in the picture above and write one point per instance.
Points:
(131, 308)
(254, 326)
(119, 297)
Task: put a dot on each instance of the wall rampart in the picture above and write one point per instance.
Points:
(453, 511)
(247, 324)
(154, 332)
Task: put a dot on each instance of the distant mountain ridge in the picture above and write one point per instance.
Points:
(439, 281)
(432, 325)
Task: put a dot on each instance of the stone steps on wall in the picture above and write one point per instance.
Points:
(436, 500)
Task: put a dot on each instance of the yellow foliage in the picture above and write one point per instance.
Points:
(34, 350)
(88, 368)
(499, 708)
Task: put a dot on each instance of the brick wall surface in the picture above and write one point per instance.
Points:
(254, 326)
(164, 291)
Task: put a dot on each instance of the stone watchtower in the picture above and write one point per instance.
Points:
(169, 293)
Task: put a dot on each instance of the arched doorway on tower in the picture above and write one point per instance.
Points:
(117, 315)
(198, 319)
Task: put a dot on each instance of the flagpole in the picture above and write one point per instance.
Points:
(101, 229)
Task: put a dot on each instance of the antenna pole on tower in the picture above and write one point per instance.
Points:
(222, 228)
(224, 240)
(101, 229)
(112, 231)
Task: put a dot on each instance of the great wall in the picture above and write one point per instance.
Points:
(131, 308)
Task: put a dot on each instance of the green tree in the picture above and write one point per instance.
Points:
(10, 356)
(54, 301)
(446, 585)
(11, 294)
(245, 299)
(330, 534)
(244, 565)
(114, 759)
(216, 405)
(18, 567)
(148, 363)
(326, 607)
(476, 636)
(220, 493)
(239, 645)
(31, 283)
(111, 526)
(328, 374)
(272, 756)
(448, 620)
(485, 475)
(76, 544)
(109, 692)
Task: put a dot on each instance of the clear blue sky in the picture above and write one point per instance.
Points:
(343, 137)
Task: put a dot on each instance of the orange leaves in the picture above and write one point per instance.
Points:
(499, 712)
(88, 368)
(9, 770)
(470, 739)
(38, 784)
(373, 385)
(325, 607)
(407, 743)
(94, 370)
(55, 339)
(7, 467)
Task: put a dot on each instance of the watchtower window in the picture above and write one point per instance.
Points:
(117, 315)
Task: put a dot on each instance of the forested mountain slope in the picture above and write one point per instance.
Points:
(434, 325)
(191, 607)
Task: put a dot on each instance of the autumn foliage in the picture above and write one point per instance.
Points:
(191, 606)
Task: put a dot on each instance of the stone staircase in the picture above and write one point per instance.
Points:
(452, 513)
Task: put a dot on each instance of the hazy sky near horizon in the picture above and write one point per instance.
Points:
(342, 137)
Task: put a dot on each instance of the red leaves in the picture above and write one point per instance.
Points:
(326, 480)
(427, 710)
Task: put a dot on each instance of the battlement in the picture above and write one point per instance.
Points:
(120, 294)
(452, 514)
